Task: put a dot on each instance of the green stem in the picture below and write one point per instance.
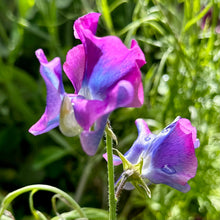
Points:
(111, 187)
(11, 196)
(107, 16)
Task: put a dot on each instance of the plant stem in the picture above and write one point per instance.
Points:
(111, 187)
(107, 16)
(11, 196)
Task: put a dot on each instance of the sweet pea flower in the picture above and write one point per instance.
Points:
(105, 75)
(167, 158)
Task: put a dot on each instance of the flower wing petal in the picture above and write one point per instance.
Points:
(142, 143)
(52, 75)
(90, 139)
(116, 159)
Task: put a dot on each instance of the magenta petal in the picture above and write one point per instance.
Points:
(52, 75)
(112, 62)
(116, 160)
(187, 128)
(137, 88)
(137, 53)
(74, 66)
(88, 111)
(87, 22)
(90, 139)
(121, 95)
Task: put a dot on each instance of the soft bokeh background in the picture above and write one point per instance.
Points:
(181, 77)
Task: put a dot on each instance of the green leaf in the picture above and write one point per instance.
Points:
(32, 28)
(157, 27)
(135, 24)
(198, 17)
(115, 4)
(104, 8)
(24, 6)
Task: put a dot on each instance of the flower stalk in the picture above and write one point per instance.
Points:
(111, 188)
(11, 196)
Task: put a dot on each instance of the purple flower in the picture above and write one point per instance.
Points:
(169, 157)
(105, 75)
(207, 20)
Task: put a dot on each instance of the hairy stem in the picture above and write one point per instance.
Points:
(111, 187)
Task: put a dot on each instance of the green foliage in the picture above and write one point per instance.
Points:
(181, 77)
(91, 213)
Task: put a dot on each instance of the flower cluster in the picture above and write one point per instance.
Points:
(105, 75)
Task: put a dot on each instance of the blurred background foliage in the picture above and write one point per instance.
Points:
(181, 77)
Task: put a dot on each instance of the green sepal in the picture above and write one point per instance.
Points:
(141, 186)
(110, 132)
(137, 168)
(132, 173)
